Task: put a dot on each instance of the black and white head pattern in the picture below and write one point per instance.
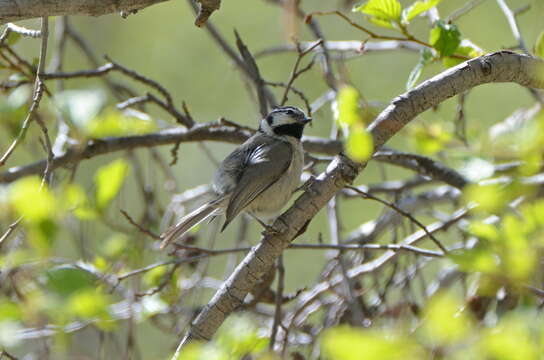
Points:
(285, 121)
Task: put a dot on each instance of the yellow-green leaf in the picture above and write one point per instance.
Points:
(539, 46)
(109, 180)
(31, 200)
(417, 8)
(345, 343)
(89, 304)
(115, 123)
(385, 12)
(489, 198)
(359, 145)
(348, 106)
(444, 322)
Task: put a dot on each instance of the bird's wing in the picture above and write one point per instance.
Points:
(264, 166)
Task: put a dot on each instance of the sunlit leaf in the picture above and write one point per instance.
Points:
(66, 280)
(484, 231)
(417, 8)
(115, 123)
(480, 259)
(89, 304)
(239, 337)
(199, 351)
(359, 145)
(348, 106)
(115, 245)
(382, 12)
(430, 139)
(510, 340)
(345, 343)
(539, 45)
(444, 322)
(10, 310)
(489, 198)
(31, 200)
(75, 199)
(109, 180)
(445, 38)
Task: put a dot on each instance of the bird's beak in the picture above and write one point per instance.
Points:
(306, 120)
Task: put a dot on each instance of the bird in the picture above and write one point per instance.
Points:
(257, 178)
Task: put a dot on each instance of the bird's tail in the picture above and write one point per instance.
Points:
(188, 221)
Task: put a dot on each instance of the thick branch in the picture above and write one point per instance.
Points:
(497, 67)
(26, 9)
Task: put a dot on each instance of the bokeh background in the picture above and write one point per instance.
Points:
(162, 43)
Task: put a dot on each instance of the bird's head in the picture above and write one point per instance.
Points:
(285, 121)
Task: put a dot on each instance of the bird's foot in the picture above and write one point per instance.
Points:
(306, 184)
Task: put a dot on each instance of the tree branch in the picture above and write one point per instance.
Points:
(497, 67)
(26, 9)
(213, 131)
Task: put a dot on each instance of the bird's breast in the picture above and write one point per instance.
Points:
(273, 199)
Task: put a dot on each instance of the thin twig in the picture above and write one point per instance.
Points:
(10, 229)
(38, 92)
(279, 301)
(140, 228)
(402, 212)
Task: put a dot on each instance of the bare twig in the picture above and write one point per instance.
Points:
(404, 213)
(8, 232)
(279, 302)
(39, 87)
(204, 131)
(295, 73)
(139, 227)
(422, 165)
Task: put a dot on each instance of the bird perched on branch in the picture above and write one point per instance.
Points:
(258, 177)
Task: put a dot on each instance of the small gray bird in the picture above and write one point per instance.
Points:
(258, 177)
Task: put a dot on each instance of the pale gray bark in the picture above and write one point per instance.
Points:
(12, 10)
(497, 67)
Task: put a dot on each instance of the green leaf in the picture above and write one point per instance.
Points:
(108, 180)
(66, 280)
(539, 45)
(417, 8)
(445, 38)
(468, 49)
(359, 145)
(382, 12)
(425, 58)
(31, 200)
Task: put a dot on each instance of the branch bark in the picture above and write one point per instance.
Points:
(26, 9)
(497, 67)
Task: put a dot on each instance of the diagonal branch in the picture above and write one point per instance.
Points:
(497, 67)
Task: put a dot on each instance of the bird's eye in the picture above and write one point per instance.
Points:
(290, 112)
